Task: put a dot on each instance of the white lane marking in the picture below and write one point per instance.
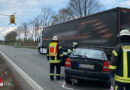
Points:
(63, 86)
(30, 52)
(26, 77)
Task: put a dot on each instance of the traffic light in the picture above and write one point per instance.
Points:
(12, 19)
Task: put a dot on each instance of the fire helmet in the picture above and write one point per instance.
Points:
(55, 38)
(124, 32)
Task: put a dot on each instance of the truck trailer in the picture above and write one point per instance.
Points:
(98, 30)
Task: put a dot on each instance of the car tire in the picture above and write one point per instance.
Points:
(67, 80)
(108, 84)
(39, 50)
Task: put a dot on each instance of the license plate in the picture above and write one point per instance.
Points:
(87, 66)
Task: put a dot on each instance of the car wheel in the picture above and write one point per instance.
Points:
(108, 84)
(67, 80)
(39, 50)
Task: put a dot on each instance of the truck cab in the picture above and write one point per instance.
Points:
(41, 49)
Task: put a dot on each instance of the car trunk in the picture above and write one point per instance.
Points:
(87, 64)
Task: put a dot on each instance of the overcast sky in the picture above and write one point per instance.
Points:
(26, 10)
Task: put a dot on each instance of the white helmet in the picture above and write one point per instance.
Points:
(55, 38)
(124, 32)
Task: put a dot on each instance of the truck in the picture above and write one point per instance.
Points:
(98, 30)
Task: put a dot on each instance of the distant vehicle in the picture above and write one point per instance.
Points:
(98, 30)
(17, 45)
(87, 64)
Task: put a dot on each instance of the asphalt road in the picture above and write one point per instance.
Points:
(37, 67)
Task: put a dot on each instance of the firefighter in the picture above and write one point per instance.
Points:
(120, 62)
(75, 45)
(54, 55)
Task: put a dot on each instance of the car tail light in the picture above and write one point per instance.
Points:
(106, 66)
(68, 62)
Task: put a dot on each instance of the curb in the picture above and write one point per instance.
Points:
(26, 82)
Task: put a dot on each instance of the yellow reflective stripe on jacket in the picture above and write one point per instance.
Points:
(116, 88)
(122, 79)
(114, 52)
(61, 55)
(125, 62)
(51, 74)
(57, 74)
(54, 61)
(112, 67)
(60, 47)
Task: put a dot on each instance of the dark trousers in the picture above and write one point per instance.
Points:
(52, 68)
(122, 86)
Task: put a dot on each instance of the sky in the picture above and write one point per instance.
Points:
(27, 10)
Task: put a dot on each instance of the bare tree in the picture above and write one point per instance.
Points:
(42, 20)
(34, 27)
(31, 29)
(45, 17)
(81, 8)
(25, 28)
(62, 16)
(19, 31)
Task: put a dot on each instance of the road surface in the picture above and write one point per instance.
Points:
(37, 67)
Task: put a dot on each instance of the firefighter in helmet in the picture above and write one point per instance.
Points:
(54, 55)
(75, 45)
(120, 62)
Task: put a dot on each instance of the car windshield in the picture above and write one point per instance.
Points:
(89, 53)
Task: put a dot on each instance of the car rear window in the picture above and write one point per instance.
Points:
(89, 53)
